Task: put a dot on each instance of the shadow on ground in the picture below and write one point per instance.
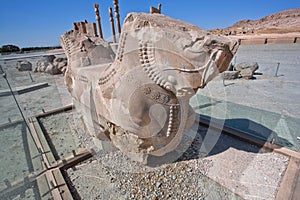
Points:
(209, 141)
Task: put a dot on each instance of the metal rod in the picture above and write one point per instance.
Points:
(111, 17)
(276, 73)
(96, 6)
(15, 99)
(116, 8)
(30, 77)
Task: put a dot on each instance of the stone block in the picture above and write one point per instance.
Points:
(230, 75)
(24, 65)
(247, 69)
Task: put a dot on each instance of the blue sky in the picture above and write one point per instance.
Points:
(28, 23)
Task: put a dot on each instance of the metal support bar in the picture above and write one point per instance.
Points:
(276, 73)
(15, 99)
(223, 79)
(30, 77)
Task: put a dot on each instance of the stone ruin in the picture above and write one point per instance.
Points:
(51, 65)
(138, 97)
(245, 70)
(23, 65)
(47, 64)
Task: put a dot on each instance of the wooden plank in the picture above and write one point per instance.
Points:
(54, 111)
(287, 152)
(52, 182)
(296, 194)
(80, 155)
(42, 143)
(23, 89)
(12, 123)
(62, 185)
(47, 158)
(289, 180)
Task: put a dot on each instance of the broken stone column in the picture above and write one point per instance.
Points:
(139, 98)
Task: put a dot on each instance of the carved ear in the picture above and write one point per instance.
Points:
(129, 19)
(144, 24)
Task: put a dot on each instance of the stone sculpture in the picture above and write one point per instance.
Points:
(139, 97)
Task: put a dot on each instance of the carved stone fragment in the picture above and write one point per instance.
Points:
(139, 98)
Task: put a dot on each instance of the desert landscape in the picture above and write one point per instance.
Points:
(281, 27)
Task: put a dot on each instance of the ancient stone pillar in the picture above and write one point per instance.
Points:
(155, 10)
(96, 6)
(116, 8)
(111, 17)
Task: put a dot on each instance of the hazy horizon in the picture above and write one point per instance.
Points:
(40, 23)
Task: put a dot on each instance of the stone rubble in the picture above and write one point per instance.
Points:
(51, 65)
(24, 65)
(246, 69)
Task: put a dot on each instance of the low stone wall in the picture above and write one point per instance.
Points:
(259, 41)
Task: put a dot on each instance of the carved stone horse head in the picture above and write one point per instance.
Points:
(141, 99)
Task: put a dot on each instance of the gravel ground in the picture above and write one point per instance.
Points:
(183, 180)
(62, 133)
(232, 169)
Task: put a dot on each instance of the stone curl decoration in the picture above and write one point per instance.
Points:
(138, 97)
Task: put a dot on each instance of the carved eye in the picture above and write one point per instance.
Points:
(166, 98)
(146, 23)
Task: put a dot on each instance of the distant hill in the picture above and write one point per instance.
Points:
(287, 21)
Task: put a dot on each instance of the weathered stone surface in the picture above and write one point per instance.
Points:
(52, 69)
(49, 58)
(61, 63)
(246, 65)
(41, 66)
(51, 65)
(247, 69)
(139, 98)
(230, 75)
(247, 73)
(24, 65)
